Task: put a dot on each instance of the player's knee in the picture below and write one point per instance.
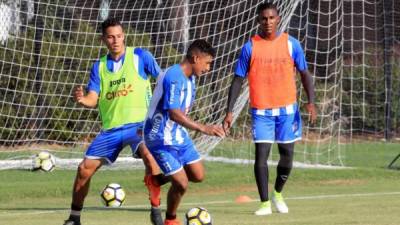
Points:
(85, 171)
(289, 154)
(286, 162)
(197, 178)
(261, 164)
(286, 149)
(181, 186)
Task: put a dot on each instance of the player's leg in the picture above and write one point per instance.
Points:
(167, 158)
(283, 170)
(263, 135)
(191, 160)
(151, 170)
(151, 167)
(195, 172)
(285, 165)
(86, 170)
(153, 180)
(288, 131)
(132, 136)
(139, 150)
(261, 174)
(179, 185)
(103, 150)
(261, 169)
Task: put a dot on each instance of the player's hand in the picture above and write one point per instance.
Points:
(214, 130)
(78, 93)
(312, 111)
(227, 123)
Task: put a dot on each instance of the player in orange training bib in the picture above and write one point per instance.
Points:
(269, 61)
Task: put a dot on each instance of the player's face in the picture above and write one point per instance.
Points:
(202, 64)
(268, 20)
(114, 39)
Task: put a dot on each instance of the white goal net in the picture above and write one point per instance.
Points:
(47, 47)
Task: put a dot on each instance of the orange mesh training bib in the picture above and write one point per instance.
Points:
(271, 76)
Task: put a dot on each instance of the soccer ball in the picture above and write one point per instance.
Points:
(43, 161)
(113, 195)
(198, 216)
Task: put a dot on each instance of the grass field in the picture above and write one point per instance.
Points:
(367, 193)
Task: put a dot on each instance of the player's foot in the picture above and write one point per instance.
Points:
(172, 222)
(71, 222)
(265, 209)
(155, 216)
(277, 200)
(154, 190)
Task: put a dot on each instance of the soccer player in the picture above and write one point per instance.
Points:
(120, 86)
(164, 131)
(269, 60)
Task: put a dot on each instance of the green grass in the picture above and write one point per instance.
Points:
(370, 154)
(367, 193)
(363, 154)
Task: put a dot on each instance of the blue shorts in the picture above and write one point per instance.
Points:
(172, 158)
(109, 143)
(284, 128)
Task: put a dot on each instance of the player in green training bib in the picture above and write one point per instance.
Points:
(120, 86)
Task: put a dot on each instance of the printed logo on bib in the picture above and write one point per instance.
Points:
(119, 93)
(117, 82)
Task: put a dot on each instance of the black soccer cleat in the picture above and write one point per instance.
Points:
(156, 217)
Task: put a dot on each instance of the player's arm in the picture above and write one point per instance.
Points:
(307, 81)
(89, 100)
(151, 66)
(242, 67)
(179, 117)
(234, 92)
(306, 78)
(173, 86)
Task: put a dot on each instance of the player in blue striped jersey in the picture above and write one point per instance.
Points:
(176, 92)
(165, 127)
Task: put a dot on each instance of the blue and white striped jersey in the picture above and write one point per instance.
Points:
(286, 110)
(173, 91)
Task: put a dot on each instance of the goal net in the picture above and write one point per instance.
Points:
(47, 47)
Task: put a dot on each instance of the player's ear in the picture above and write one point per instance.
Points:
(195, 58)
(123, 38)
(192, 59)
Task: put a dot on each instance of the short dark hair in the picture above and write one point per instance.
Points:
(266, 5)
(200, 45)
(110, 22)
